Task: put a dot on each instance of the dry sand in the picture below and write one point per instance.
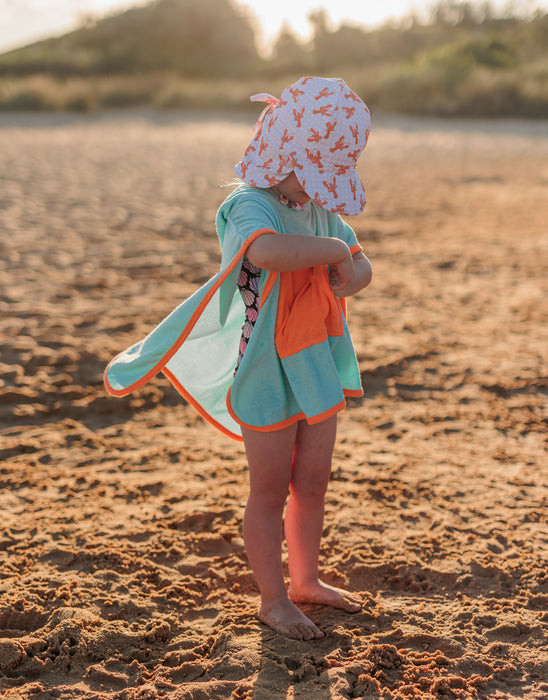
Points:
(123, 572)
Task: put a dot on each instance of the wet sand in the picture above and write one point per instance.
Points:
(123, 568)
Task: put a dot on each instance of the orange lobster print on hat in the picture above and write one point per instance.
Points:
(318, 129)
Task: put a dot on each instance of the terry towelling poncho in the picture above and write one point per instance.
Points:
(299, 362)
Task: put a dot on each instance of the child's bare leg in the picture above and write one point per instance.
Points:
(304, 517)
(270, 457)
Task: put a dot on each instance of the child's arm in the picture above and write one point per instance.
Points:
(362, 276)
(280, 253)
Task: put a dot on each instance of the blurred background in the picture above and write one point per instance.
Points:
(450, 58)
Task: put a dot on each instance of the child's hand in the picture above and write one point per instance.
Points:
(341, 274)
(361, 278)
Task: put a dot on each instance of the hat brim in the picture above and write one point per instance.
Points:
(340, 193)
(256, 176)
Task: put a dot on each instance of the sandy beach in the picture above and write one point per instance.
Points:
(123, 570)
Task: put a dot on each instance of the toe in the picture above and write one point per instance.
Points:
(292, 631)
(306, 634)
(309, 632)
(352, 604)
(318, 634)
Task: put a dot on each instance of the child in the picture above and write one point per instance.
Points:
(278, 381)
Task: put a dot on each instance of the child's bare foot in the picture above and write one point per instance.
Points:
(284, 617)
(322, 594)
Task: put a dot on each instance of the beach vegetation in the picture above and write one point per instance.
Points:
(461, 59)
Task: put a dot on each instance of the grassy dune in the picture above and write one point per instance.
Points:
(460, 63)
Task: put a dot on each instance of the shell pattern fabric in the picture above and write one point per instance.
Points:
(248, 284)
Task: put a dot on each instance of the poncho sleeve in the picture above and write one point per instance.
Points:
(241, 219)
(340, 228)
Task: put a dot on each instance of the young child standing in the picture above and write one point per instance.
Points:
(278, 381)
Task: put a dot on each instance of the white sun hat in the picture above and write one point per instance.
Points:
(318, 129)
